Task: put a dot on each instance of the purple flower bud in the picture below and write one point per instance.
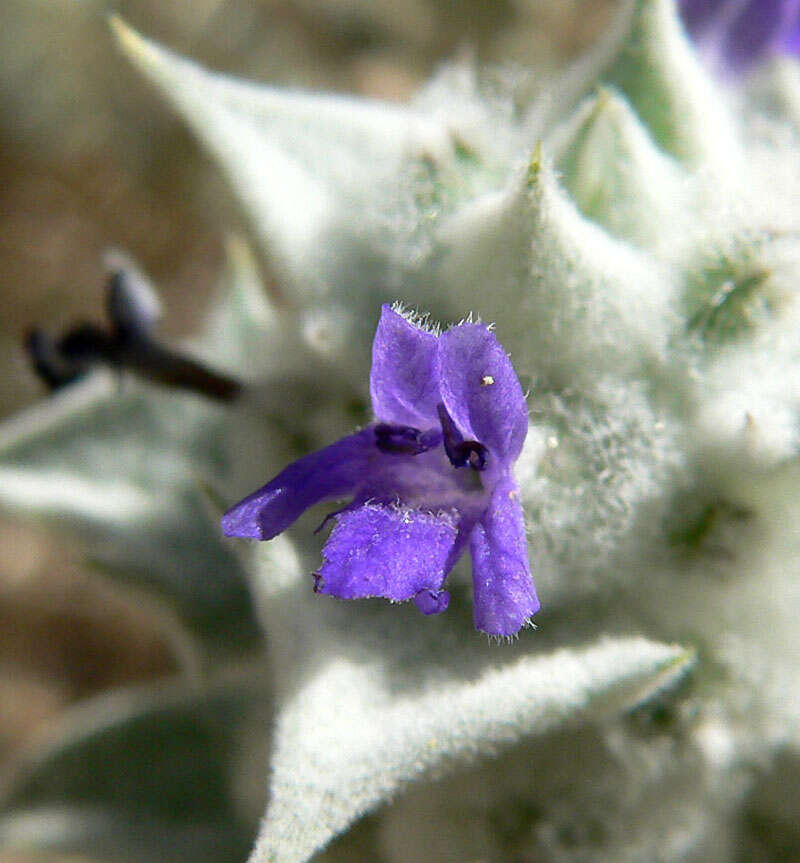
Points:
(432, 476)
(737, 34)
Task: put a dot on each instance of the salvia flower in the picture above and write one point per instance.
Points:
(432, 475)
(736, 34)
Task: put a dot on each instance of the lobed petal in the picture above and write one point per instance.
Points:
(403, 381)
(481, 390)
(333, 472)
(389, 551)
(504, 595)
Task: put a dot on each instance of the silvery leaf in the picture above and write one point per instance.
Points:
(689, 116)
(128, 772)
(104, 834)
(525, 258)
(596, 793)
(297, 160)
(242, 323)
(616, 173)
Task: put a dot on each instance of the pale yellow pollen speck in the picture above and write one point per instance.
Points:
(487, 381)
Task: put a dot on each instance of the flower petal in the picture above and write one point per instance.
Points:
(791, 43)
(756, 29)
(335, 471)
(504, 595)
(388, 551)
(481, 391)
(403, 382)
(698, 14)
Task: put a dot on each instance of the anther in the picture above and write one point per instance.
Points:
(460, 452)
(474, 454)
(404, 440)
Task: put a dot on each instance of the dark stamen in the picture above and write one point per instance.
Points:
(473, 453)
(84, 344)
(127, 344)
(170, 368)
(405, 440)
(460, 452)
(54, 369)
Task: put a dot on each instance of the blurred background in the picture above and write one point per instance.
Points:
(90, 158)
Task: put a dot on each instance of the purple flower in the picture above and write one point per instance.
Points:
(430, 476)
(736, 34)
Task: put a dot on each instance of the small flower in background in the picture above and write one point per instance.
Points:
(127, 342)
(736, 35)
(430, 476)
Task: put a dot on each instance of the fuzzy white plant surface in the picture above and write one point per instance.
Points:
(633, 233)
